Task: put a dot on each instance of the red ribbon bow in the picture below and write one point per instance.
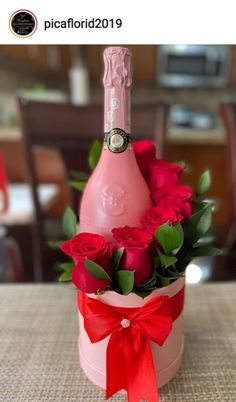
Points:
(129, 358)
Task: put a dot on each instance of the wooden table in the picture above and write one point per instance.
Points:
(39, 358)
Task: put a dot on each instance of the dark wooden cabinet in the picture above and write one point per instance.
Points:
(57, 59)
(54, 59)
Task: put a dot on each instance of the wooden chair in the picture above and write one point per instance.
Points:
(226, 236)
(225, 233)
(228, 114)
(72, 129)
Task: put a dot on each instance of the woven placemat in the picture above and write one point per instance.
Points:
(38, 347)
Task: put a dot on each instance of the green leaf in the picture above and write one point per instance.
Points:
(198, 224)
(149, 284)
(170, 237)
(125, 281)
(155, 259)
(96, 270)
(163, 280)
(174, 274)
(79, 176)
(55, 244)
(65, 277)
(182, 163)
(94, 154)
(69, 223)
(204, 182)
(78, 185)
(116, 258)
(205, 251)
(198, 205)
(142, 293)
(66, 266)
(166, 260)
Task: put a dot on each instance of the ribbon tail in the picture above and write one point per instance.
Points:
(115, 364)
(142, 383)
(130, 366)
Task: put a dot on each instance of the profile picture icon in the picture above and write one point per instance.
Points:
(23, 23)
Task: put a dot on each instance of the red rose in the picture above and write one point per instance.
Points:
(169, 193)
(177, 197)
(145, 153)
(93, 247)
(185, 208)
(159, 215)
(163, 174)
(136, 254)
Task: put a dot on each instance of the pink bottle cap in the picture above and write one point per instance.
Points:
(118, 67)
(117, 81)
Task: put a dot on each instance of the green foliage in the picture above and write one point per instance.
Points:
(184, 164)
(94, 154)
(96, 270)
(149, 284)
(78, 185)
(125, 281)
(116, 258)
(79, 176)
(198, 224)
(69, 223)
(173, 274)
(166, 260)
(79, 180)
(67, 268)
(65, 276)
(143, 290)
(205, 251)
(198, 205)
(204, 183)
(162, 280)
(55, 244)
(167, 278)
(170, 238)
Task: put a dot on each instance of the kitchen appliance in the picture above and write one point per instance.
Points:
(193, 65)
(195, 118)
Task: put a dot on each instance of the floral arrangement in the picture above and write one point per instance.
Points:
(141, 259)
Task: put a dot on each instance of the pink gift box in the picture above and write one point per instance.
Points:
(167, 358)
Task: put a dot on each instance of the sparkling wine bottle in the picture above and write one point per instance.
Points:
(116, 193)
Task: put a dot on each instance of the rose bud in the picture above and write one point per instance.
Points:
(145, 153)
(136, 256)
(163, 174)
(95, 248)
(157, 216)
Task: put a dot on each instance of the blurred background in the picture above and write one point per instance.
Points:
(51, 111)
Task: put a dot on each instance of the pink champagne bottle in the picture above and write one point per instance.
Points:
(116, 193)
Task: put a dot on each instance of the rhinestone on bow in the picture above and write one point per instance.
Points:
(125, 323)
